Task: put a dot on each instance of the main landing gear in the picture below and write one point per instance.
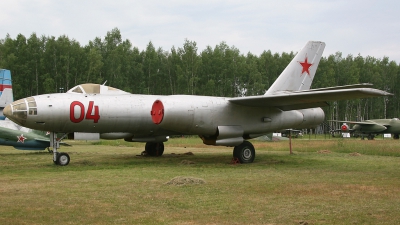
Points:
(59, 158)
(369, 136)
(154, 148)
(244, 152)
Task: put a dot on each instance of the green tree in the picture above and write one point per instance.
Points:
(190, 64)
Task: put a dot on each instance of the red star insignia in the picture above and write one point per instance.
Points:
(306, 66)
(21, 138)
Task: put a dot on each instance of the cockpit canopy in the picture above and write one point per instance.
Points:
(95, 89)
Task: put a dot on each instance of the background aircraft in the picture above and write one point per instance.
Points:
(292, 132)
(22, 138)
(6, 95)
(108, 112)
(371, 128)
(11, 134)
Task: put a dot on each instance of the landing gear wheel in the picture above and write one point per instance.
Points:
(396, 136)
(62, 159)
(371, 137)
(154, 148)
(245, 152)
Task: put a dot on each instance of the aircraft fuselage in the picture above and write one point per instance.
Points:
(130, 113)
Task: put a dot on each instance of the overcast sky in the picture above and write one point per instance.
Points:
(354, 27)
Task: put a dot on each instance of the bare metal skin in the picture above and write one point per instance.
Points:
(112, 113)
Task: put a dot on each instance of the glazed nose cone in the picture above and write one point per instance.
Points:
(7, 112)
(15, 117)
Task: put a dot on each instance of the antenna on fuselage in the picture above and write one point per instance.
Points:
(104, 82)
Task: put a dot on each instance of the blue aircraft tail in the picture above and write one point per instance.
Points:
(6, 94)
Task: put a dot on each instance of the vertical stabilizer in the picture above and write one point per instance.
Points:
(6, 94)
(300, 72)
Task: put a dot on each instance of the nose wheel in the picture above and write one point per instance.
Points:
(62, 159)
(59, 158)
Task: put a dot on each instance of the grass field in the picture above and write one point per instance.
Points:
(326, 181)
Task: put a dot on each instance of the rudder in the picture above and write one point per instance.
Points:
(300, 72)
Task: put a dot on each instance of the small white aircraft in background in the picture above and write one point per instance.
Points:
(371, 128)
(108, 112)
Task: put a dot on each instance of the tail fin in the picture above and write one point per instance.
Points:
(6, 94)
(299, 74)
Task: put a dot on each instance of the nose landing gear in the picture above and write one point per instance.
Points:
(59, 158)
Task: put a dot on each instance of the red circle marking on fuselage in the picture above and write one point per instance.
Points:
(157, 112)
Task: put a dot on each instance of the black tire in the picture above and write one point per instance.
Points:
(154, 148)
(62, 159)
(245, 152)
(396, 136)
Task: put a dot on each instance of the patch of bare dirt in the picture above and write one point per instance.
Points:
(355, 154)
(178, 155)
(187, 162)
(144, 154)
(324, 151)
(179, 181)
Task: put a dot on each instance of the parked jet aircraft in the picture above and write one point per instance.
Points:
(113, 113)
(22, 138)
(6, 96)
(370, 128)
(11, 134)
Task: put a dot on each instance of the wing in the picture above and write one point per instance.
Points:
(42, 139)
(355, 122)
(309, 98)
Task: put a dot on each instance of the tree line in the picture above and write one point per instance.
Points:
(47, 64)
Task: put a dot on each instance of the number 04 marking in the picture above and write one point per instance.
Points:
(90, 115)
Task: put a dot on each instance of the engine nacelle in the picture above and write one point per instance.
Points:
(311, 118)
(185, 114)
(213, 116)
(372, 128)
